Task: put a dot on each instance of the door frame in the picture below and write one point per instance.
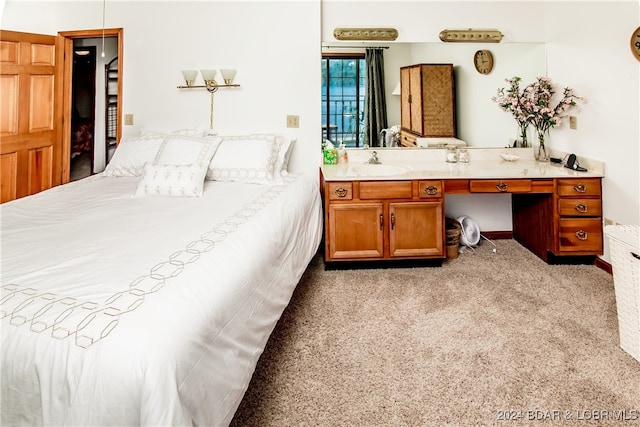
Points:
(64, 49)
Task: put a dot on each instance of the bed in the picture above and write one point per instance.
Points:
(129, 301)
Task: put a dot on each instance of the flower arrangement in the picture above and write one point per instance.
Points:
(512, 101)
(532, 106)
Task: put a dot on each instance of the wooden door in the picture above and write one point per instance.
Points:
(356, 231)
(416, 229)
(30, 143)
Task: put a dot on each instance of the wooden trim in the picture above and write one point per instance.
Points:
(498, 235)
(603, 265)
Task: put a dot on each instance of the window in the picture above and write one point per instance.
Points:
(343, 92)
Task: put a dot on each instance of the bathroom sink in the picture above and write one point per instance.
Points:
(383, 169)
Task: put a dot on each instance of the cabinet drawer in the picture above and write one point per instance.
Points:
(500, 186)
(580, 207)
(429, 189)
(579, 187)
(385, 190)
(580, 235)
(408, 139)
(340, 191)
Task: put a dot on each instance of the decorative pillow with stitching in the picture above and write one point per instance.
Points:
(200, 131)
(172, 180)
(246, 158)
(131, 155)
(184, 150)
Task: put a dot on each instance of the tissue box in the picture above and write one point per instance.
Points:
(331, 156)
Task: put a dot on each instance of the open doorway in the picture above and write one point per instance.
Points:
(92, 106)
(83, 113)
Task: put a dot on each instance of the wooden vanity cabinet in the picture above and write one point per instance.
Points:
(427, 102)
(578, 204)
(383, 220)
(566, 223)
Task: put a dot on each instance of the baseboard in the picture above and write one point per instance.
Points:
(602, 264)
(497, 235)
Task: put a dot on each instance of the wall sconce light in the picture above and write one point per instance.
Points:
(388, 34)
(210, 84)
(227, 75)
(471, 36)
(189, 76)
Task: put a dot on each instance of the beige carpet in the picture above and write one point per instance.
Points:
(462, 344)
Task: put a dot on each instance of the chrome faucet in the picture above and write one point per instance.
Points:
(374, 159)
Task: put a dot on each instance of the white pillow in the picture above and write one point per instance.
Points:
(131, 155)
(184, 132)
(246, 158)
(172, 180)
(284, 154)
(184, 150)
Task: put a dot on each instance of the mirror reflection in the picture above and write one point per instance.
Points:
(479, 122)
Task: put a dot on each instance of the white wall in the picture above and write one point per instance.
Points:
(274, 45)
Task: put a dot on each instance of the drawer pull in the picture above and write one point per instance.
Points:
(431, 190)
(393, 221)
(341, 191)
(582, 235)
(581, 208)
(502, 187)
(381, 221)
(580, 188)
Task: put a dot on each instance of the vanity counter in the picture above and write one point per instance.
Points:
(431, 164)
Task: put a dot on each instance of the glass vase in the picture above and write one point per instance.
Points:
(541, 145)
(522, 139)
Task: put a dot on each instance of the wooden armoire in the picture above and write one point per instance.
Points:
(427, 102)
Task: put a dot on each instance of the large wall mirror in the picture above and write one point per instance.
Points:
(480, 122)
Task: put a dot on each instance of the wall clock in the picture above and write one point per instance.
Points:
(483, 61)
(635, 43)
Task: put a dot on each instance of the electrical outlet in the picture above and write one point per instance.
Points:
(128, 119)
(293, 121)
(573, 122)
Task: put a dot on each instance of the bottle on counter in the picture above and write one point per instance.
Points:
(463, 155)
(343, 156)
(451, 154)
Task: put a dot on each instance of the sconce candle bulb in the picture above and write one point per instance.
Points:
(227, 75)
(189, 76)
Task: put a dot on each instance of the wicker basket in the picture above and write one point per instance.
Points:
(453, 229)
(624, 243)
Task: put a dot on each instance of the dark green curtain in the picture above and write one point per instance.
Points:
(375, 117)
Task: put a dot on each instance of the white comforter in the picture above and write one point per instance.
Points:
(145, 311)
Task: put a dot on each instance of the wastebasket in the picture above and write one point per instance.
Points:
(624, 245)
(453, 229)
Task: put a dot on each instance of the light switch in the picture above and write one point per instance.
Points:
(293, 121)
(128, 119)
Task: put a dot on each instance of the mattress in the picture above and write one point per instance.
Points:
(145, 311)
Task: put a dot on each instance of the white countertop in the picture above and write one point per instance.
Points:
(406, 164)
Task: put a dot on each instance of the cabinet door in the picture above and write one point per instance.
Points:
(355, 231)
(415, 87)
(405, 99)
(416, 229)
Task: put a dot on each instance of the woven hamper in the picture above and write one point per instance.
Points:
(624, 244)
